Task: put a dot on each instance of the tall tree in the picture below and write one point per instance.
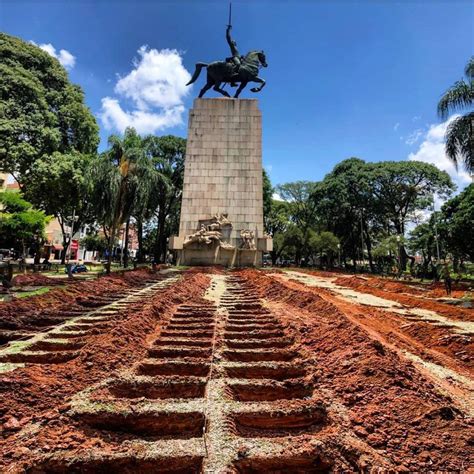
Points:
(167, 157)
(116, 178)
(41, 111)
(460, 132)
(403, 188)
(302, 210)
(267, 195)
(21, 226)
(457, 224)
(277, 221)
(345, 203)
(58, 185)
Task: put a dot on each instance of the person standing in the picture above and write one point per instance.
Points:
(446, 274)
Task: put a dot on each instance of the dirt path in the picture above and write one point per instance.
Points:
(398, 407)
(423, 340)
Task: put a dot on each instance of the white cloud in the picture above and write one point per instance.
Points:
(414, 136)
(276, 197)
(156, 88)
(395, 127)
(416, 118)
(431, 150)
(114, 117)
(63, 56)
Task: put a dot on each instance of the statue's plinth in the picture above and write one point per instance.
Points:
(223, 175)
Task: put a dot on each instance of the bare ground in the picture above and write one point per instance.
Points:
(245, 371)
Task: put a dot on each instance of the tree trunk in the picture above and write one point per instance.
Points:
(403, 257)
(125, 250)
(109, 249)
(66, 243)
(163, 247)
(369, 254)
(140, 240)
(456, 264)
(368, 244)
(160, 237)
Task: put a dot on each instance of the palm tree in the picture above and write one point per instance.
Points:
(460, 132)
(167, 155)
(118, 177)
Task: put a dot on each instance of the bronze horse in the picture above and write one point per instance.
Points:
(219, 72)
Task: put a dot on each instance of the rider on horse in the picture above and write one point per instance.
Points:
(235, 69)
(236, 59)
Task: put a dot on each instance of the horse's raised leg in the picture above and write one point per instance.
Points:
(221, 91)
(205, 89)
(259, 80)
(240, 89)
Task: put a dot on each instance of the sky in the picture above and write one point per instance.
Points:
(344, 78)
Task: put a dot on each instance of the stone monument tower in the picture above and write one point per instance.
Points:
(222, 206)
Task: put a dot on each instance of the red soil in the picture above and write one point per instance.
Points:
(396, 292)
(389, 403)
(20, 313)
(40, 393)
(36, 279)
(430, 342)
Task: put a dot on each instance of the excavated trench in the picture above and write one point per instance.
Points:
(22, 319)
(223, 388)
(226, 385)
(67, 332)
(126, 464)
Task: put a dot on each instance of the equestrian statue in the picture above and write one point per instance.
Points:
(235, 69)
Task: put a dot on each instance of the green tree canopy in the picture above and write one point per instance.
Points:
(267, 195)
(457, 224)
(346, 206)
(58, 184)
(20, 225)
(167, 158)
(403, 188)
(117, 178)
(41, 112)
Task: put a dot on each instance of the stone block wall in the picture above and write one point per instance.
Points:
(223, 166)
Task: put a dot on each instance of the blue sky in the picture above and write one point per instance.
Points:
(344, 78)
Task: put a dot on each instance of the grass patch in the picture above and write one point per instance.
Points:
(7, 367)
(40, 291)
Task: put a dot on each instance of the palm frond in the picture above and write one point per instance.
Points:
(460, 142)
(469, 69)
(455, 98)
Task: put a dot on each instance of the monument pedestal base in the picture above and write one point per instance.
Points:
(222, 206)
(219, 256)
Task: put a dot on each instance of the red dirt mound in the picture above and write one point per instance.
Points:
(395, 291)
(36, 279)
(40, 393)
(388, 402)
(25, 313)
